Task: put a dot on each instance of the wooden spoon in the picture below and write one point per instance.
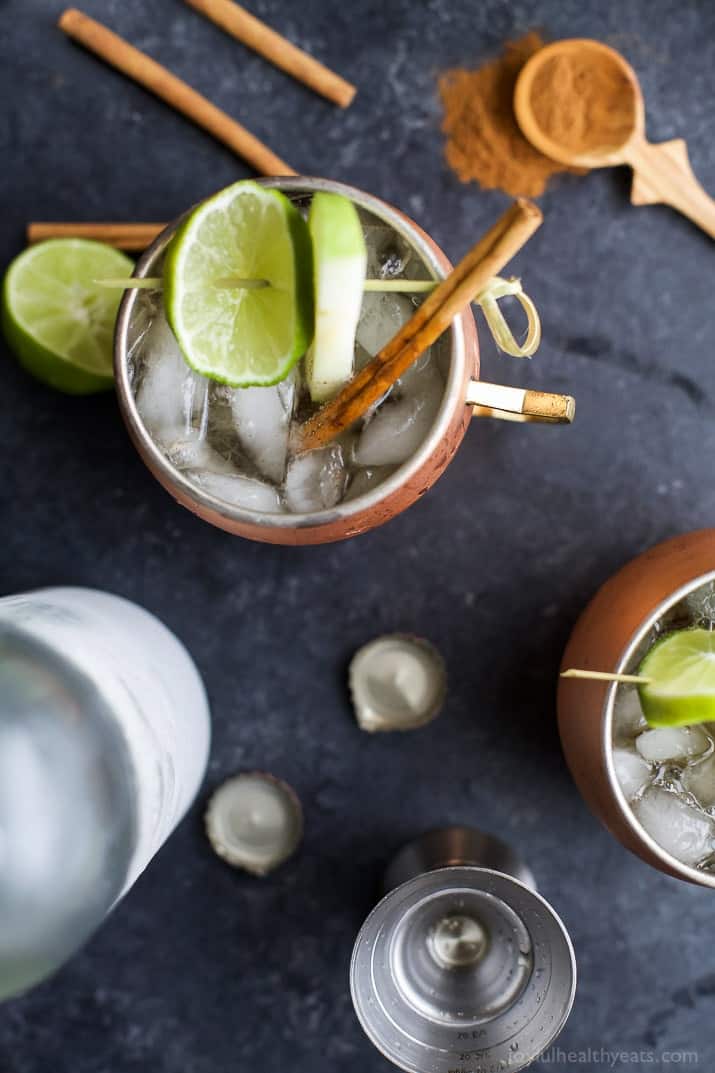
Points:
(661, 173)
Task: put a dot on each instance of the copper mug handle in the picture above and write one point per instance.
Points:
(519, 404)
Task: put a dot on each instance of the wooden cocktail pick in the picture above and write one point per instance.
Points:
(606, 676)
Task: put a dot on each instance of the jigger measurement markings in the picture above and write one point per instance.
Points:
(423, 1012)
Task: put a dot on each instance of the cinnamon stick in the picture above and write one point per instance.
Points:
(246, 28)
(122, 236)
(451, 297)
(140, 67)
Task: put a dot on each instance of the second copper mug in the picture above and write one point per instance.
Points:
(608, 633)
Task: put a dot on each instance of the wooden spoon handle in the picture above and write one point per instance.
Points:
(662, 173)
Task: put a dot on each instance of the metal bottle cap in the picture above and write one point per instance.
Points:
(254, 821)
(397, 682)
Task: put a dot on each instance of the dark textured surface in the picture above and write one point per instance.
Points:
(203, 970)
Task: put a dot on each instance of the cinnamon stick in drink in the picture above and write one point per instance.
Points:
(453, 295)
(246, 28)
(148, 73)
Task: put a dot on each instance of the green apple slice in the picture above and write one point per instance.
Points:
(339, 266)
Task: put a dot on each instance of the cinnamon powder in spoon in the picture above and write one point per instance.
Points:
(484, 143)
(584, 103)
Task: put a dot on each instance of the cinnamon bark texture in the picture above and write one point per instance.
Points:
(131, 237)
(238, 22)
(148, 73)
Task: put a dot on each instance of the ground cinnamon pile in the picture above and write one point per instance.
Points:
(584, 102)
(484, 143)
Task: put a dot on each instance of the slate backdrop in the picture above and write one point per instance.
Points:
(201, 969)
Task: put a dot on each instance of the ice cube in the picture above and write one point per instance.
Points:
(419, 374)
(628, 718)
(388, 254)
(221, 426)
(632, 771)
(403, 421)
(701, 605)
(189, 450)
(315, 480)
(240, 491)
(169, 390)
(672, 743)
(699, 780)
(262, 416)
(147, 307)
(364, 480)
(680, 828)
(381, 317)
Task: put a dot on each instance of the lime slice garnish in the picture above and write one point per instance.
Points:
(340, 262)
(681, 668)
(241, 335)
(56, 319)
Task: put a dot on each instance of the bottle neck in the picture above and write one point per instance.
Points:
(67, 812)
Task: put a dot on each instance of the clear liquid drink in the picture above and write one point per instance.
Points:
(226, 455)
(234, 444)
(104, 735)
(667, 774)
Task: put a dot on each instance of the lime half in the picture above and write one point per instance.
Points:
(340, 261)
(681, 669)
(58, 322)
(238, 286)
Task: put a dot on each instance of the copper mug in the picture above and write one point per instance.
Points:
(464, 395)
(606, 635)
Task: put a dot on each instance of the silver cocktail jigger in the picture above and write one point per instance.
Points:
(462, 967)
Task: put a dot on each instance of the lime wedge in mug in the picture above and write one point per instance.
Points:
(238, 286)
(681, 669)
(57, 320)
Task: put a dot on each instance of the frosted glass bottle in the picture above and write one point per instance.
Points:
(104, 737)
